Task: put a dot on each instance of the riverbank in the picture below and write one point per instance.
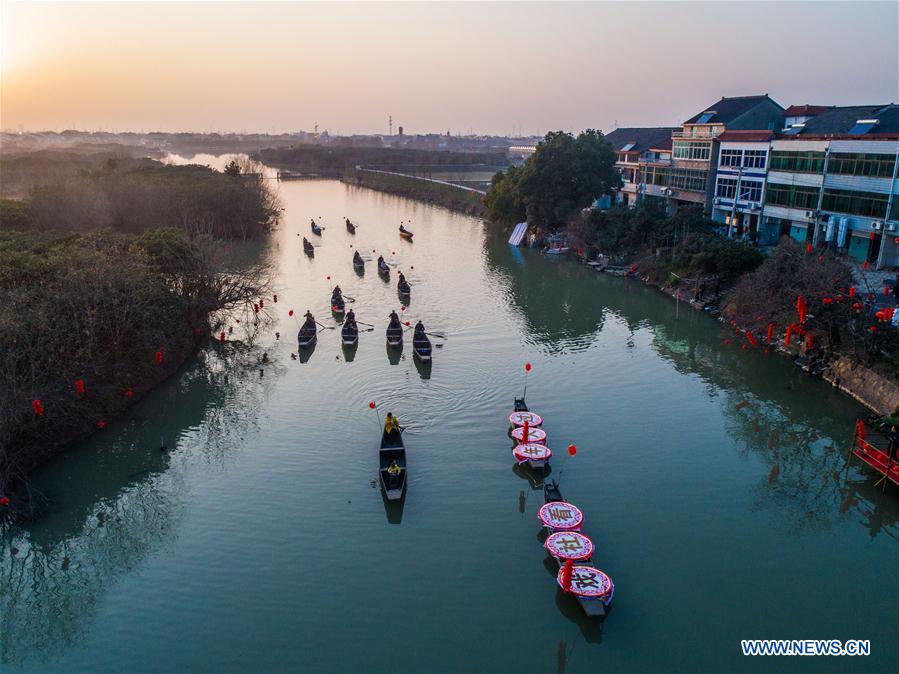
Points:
(453, 197)
(878, 393)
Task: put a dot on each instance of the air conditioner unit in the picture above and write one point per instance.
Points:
(891, 227)
(811, 214)
(877, 225)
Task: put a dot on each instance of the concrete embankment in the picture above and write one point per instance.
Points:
(437, 192)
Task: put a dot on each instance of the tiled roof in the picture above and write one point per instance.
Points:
(746, 136)
(643, 138)
(841, 120)
(664, 146)
(806, 110)
(727, 109)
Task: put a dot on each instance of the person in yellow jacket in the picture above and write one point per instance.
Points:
(392, 426)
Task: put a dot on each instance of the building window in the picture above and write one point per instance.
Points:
(692, 150)
(796, 161)
(692, 180)
(861, 164)
(866, 204)
(792, 196)
(726, 188)
(731, 157)
(750, 190)
(754, 158)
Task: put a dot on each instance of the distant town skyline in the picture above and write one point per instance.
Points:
(493, 68)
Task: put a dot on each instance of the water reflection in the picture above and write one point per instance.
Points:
(118, 504)
(566, 308)
(395, 354)
(423, 367)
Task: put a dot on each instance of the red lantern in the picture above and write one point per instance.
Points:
(808, 248)
(572, 450)
(751, 338)
(527, 367)
(290, 313)
(865, 265)
(38, 407)
(566, 575)
(800, 308)
(256, 308)
(261, 302)
(809, 340)
(222, 337)
(852, 292)
(275, 298)
(79, 387)
(402, 308)
(873, 328)
(407, 323)
(770, 332)
(129, 393)
(4, 500)
(101, 424)
(726, 342)
(327, 278)
(159, 357)
(412, 267)
(372, 404)
(827, 300)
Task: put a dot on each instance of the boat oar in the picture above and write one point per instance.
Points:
(351, 299)
(434, 334)
(364, 323)
(325, 327)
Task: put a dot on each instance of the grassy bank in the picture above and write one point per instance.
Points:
(447, 196)
(112, 273)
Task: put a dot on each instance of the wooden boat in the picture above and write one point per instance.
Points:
(403, 288)
(405, 233)
(421, 346)
(308, 334)
(349, 333)
(592, 607)
(350, 227)
(308, 248)
(338, 304)
(520, 406)
(392, 450)
(358, 264)
(316, 229)
(384, 269)
(395, 334)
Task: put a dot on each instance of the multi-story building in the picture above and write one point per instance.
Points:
(692, 176)
(639, 151)
(742, 166)
(832, 181)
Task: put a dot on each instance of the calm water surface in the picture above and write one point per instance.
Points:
(259, 543)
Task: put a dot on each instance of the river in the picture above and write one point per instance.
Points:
(712, 479)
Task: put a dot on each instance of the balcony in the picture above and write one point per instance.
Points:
(698, 133)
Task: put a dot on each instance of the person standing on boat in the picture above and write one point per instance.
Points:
(381, 264)
(350, 317)
(419, 330)
(357, 259)
(337, 292)
(392, 427)
(309, 316)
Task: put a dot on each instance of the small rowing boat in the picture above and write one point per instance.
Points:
(403, 287)
(394, 331)
(421, 345)
(358, 262)
(392, 450)
(308, 333)
(350, 227)
(308, 248)
(349, 333)
(338, 304)
(405, 233)
(383, 268)
(316, 229)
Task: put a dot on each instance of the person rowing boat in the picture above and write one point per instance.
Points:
(394, 330)
(383, 267)
(350, 227)
(337, 302)
(405, 233)
(316, 229)
(349, 334)
(308, 248)
(421, 345)
(402, 285)
(308, 332)
(358, 262)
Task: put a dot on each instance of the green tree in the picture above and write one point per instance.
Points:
(566, 174)
(232, 169)
(503, 202)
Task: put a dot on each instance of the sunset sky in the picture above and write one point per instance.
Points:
(488, 68)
